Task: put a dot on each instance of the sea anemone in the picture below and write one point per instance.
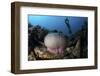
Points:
(55, 43)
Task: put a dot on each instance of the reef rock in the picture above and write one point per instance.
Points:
(44, 54)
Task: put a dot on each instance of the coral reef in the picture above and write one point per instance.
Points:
(44, 44)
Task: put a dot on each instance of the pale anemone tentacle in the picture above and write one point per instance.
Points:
(55, 43)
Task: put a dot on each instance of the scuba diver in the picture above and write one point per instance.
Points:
(68, 25)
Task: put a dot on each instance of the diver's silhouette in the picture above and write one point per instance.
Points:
(68, 25)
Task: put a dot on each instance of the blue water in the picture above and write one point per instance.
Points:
(57, 22)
